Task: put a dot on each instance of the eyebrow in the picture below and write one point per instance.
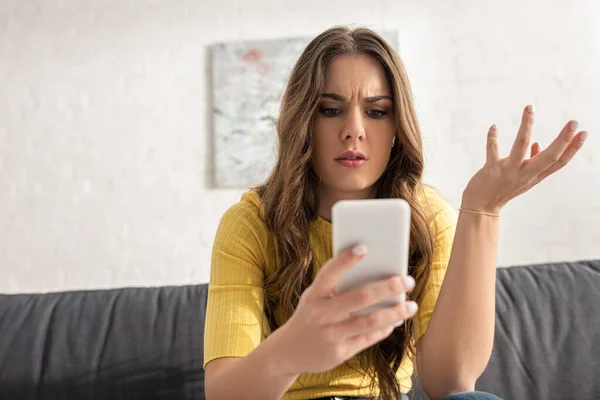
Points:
(373, 99)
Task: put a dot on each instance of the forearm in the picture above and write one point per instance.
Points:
(256, 376)
(458, 342)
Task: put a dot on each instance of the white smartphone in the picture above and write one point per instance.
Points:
(383, 225)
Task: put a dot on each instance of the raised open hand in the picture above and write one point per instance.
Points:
(502, 179)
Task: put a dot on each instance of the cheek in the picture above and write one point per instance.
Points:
(382, 149)
(320, 160)
(319, 149)
(324, 139)
(383, 157)
(381, 135)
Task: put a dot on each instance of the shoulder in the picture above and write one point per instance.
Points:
(247, 207)
(243, 218)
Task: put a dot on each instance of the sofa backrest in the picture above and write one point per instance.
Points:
(134, 343)
(146, 343)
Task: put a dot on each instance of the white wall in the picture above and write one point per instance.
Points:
(104, 129)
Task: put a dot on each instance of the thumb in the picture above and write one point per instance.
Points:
(493, 154)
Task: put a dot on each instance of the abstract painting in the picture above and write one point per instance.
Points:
(248, 79)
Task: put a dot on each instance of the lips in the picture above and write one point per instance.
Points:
(351, 155)
(352, 159)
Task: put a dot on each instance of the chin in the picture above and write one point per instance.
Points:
(351, 185)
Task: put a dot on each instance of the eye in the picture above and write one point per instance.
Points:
(376, 113)
(330, 112)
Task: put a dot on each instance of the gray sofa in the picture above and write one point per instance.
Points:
(146, 343)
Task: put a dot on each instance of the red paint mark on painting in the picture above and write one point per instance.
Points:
(252, 55)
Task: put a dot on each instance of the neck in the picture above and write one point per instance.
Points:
(328, 197)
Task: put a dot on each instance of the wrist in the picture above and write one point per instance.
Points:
(471, 203)
(273, 352)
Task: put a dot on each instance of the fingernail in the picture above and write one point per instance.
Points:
(530, 109)
(412, 307)
(359, 250)
(495, 127)
(584, 136)
(409, 282)
(573, 126)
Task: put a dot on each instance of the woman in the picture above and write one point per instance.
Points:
(275, 327)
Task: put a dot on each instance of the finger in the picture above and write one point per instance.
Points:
(326, 280)
(377, 320)
(521, 144)
(493, 154)
(361, 342)
(566, 156)
(367, 295)
(535, 149)
(552, 154)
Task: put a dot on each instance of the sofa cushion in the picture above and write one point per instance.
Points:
(134, 343)
(547, 340)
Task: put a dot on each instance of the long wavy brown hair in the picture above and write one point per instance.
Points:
(289, 195)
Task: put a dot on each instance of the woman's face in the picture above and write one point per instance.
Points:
(354, 128)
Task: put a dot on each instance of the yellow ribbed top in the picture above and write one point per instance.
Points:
(241, 258)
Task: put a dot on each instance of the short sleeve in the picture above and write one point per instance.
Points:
(235, 312)
(444, 226)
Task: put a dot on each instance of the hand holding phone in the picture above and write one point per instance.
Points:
(323, 331)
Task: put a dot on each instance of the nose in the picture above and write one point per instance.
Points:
(354, 128)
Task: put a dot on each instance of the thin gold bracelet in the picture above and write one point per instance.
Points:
(480, 212)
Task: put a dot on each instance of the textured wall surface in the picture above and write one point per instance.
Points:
(105, 149)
